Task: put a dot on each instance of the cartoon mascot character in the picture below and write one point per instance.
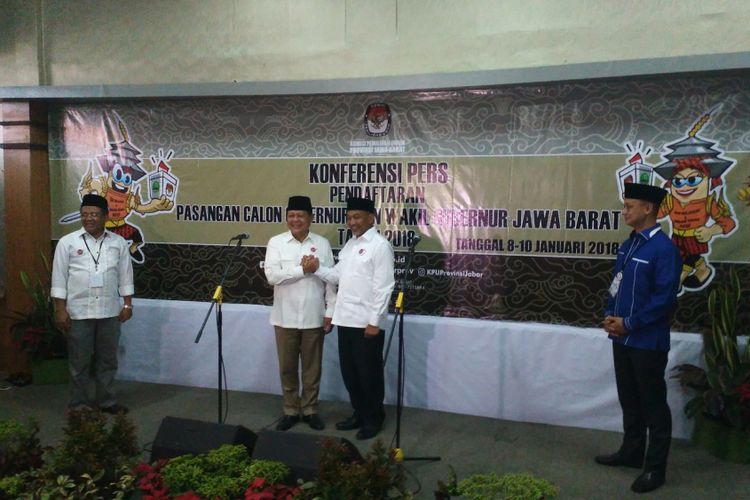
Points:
(122, 166)
(695, 206)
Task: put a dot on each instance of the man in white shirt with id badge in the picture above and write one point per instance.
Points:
(92, 287)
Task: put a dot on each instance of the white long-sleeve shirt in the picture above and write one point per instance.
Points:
(299, 300)
(364, 274)
(74, 265)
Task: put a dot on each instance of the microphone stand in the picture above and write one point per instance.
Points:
(217, 300)
(400, 379)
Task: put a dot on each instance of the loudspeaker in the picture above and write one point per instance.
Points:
(182, 436)
(300, 452)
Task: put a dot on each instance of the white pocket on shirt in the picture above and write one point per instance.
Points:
(113, 257)
(363, 265)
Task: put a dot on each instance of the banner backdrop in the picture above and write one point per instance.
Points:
(515, 191)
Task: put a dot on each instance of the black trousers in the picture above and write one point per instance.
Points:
(643, 397)
(361, 360)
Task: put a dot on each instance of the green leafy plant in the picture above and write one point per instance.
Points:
(41, 483)
(11, 487)
(724, 385)
(270, 470)
(449, 488)
(95, 448)
(94, 459)
(507, 486)
(339, 478)
(20, 448)
(65, 488)
(34, 330)
(223, 473)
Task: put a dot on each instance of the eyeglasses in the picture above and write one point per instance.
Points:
(691, 181)
(85, 215)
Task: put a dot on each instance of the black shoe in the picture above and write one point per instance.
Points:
(367, 432)
(286, 422)
(114, 409)
(314, 421)
(349, 424)
(648, 481)
(617, 460)
(693, 283)
(20, 379)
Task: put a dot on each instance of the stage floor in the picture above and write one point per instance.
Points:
(470, 444)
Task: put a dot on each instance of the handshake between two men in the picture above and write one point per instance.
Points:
(310, 264)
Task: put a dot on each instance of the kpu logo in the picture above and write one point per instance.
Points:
(377, 119)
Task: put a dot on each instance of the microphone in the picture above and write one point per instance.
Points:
(415, 241)
(241, 236)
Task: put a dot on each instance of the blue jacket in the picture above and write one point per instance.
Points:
(647, 294)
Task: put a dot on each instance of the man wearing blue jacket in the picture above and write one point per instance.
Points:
(642, 298)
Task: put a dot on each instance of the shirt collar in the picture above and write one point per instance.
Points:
(649, 232)
(368, 235)
(290, 237)
(82, 232)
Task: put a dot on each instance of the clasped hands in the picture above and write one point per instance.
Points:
(309, 264)
(614, 326)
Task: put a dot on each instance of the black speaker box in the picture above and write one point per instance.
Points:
(300, 452)
(182, 436)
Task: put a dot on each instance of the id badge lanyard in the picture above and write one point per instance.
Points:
(96, 280)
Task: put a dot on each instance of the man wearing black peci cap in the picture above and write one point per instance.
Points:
(301, 313)
(364, 274)
(642, 298)
(92, 288)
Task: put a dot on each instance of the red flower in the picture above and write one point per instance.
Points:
(744, 392)
(188, 496)
(150, 481)
(257, 483)
(142, 468)
(260, 489)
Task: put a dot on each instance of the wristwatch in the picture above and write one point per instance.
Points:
(125, 306)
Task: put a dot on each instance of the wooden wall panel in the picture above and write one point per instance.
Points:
(27, 210)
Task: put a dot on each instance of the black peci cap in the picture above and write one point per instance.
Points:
(360, 204)
(645, 192)
(299, 203)
(94, 200)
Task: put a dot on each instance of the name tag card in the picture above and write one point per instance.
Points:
(96, 279)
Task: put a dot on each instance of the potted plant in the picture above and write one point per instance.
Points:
(36, 333)
(20, 448)
(378, 475)
(225, 473)
(722, 406)
(491, 486)
(94, 459)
